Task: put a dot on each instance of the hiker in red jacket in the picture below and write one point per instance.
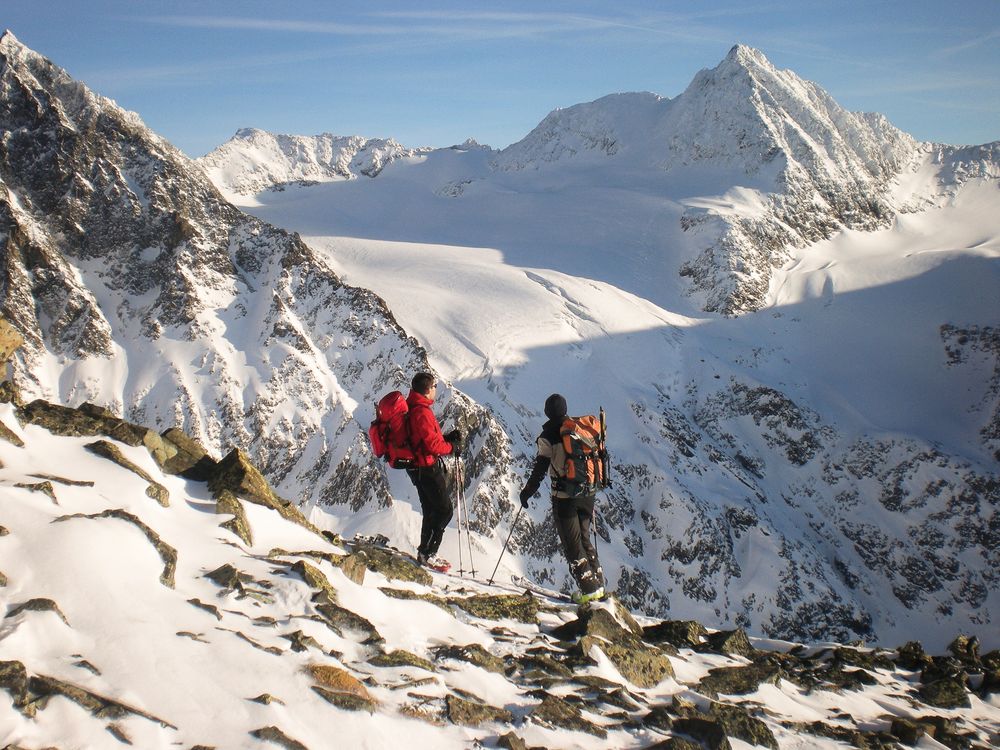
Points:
(429, 476)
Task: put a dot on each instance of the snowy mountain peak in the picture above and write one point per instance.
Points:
(255, 160)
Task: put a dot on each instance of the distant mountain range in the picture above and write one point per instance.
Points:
(786, 306)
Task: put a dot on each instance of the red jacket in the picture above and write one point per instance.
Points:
(425, 432)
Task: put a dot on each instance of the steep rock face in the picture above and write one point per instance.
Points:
(255, 160)
(137, 286)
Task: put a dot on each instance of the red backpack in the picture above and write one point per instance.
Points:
(587, 465)
(389, 432)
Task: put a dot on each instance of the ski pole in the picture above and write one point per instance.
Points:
(512, 526)
(458, 504)
(465, 505)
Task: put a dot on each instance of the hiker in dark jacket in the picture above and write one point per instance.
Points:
(429, 475)
(574, 516)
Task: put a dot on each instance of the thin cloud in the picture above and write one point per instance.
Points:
(966, 46)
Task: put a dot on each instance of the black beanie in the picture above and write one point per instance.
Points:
(555, 406)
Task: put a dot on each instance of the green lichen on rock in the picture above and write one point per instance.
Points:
(468, 713)
(523, 608)
(190, 459)
(393, 566)
(642, 665)
(341, 619)
(88, 421)
(167, 553)
(111, 452)
(949, 692)
(14, 679)
(401, 658)
(237, 474)
(226, 503)
(353, 566)
(473, 654)
(315, 578)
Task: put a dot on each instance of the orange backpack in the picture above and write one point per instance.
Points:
(587, 462)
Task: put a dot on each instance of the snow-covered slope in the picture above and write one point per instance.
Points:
(132, 622)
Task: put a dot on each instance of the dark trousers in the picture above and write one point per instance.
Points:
(435, 504)
(574, 518)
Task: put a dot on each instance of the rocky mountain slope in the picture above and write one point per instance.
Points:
(153, 597)
(138, 287)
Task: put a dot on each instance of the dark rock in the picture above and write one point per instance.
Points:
(472, 714)
(267, 699)
(237, 474)
(89, 421)
(912, 656)
(556, 712)
(111, 452)
(10, 436)
(678, 633)
(966, 650)
(909, 732)
(707, 732)
(226, 503)
(207, 607)
(739, 680)
(676, 743)
(870, 660)
(45, 488)
(730, 642)
(302, 642)
(659, 717)
(316, 579)
(99, 705)
(595, 621)
(14, 679)
(190, 459)
(474, 654)
(529, 664)
(347, 701)
(353, 566)
(945, 693)
(992, 660)
(400, 658)
(228, 577)
(511, 741)
(737, 722)
(37, 605)
(275, 735)
(10, 394)
(341, 619)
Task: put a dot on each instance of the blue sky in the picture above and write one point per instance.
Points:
(434, 73)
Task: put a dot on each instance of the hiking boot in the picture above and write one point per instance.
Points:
(433, 562)
(581, 598)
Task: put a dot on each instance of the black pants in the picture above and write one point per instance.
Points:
(574, 517)
(435, 504)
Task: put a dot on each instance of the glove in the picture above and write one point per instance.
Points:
(455, 438)
(525, 494)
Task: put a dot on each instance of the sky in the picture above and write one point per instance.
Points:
(438, 72)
